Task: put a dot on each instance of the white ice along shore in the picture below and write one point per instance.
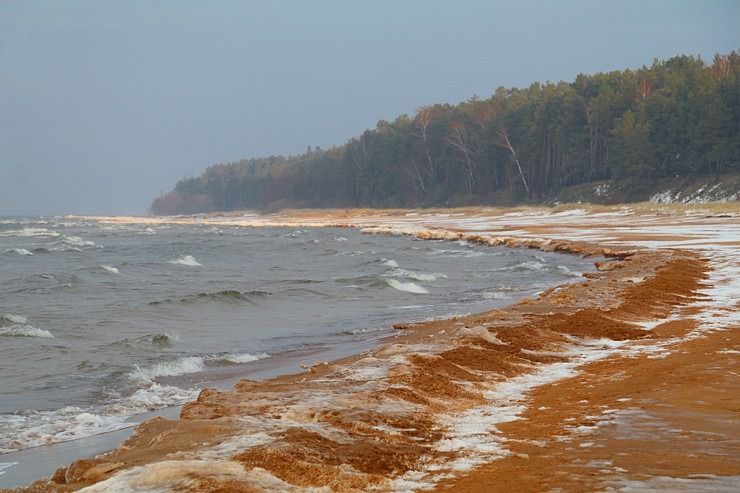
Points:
(471, 436)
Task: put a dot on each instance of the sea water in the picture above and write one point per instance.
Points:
(101, 321)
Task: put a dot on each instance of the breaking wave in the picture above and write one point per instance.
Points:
(416, 276)
(182, 366)
(19, 251)
(243, 357)
(30, 232)
(409, 287)
(188, 260)
(28, 429)
(190, 364)
(225, 296)
(17, 326)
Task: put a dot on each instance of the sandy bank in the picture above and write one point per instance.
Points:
(625, 380)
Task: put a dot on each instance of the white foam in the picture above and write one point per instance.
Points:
(182, 366)
(409, 287)
(390, 262)
(19, 251)
(5, 466)
(417, 276)
(30, 232)
(566, 271)
(76, 241)
(185, 260)
(17, 326)
(531, 265)
(244, 357)
(25, 331)
(453, 253)
(34, 428)
(16, 319)
(494, 295)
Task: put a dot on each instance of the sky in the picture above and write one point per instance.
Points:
(105, 104)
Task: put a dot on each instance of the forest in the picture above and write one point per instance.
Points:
(616, 134)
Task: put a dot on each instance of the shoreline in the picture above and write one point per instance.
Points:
(442, 405)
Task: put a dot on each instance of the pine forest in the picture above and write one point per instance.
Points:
(614, 135)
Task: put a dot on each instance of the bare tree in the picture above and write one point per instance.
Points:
(505, 135)
(466, 142)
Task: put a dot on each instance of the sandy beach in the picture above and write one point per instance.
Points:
(626, 380)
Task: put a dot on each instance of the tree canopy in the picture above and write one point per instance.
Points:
(628, 129)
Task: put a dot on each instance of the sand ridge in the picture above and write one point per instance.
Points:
(568, 390)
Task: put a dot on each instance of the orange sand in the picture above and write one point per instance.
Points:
(667, 410)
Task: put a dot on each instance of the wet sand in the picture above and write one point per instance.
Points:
(624, 381)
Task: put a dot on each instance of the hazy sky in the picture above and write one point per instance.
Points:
(105, 103)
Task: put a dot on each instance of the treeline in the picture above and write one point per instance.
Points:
(622, 130)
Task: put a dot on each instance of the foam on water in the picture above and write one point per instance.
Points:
(30, 232)
(181, 366)
(188, 260)
(17, 326)
(390, 262)
(34, 428)
(19, 251)
(6, 465)
(190, 364)
(417, 276)
(566, 271)
(409, 287)
(244, 357)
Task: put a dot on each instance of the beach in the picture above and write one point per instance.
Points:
(623, 381)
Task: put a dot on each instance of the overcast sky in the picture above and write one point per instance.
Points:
(103, 104)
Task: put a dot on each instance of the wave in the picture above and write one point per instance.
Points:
(528, 265)
(65, 248)
(456, 253)
(17, 326)
(566, 271)
(130, 229)
(19, 251)
(409, 287)
(240, 358)
(182, 366)
(113, 270)
(164, 340)
(34, 428)
(417, 276)
(30, 232)
(77, 241)
(225, 296)
(141, 345)
(188, 260)
(190, 364)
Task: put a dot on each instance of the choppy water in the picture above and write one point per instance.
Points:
(101, 321)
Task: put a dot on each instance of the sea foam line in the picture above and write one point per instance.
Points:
(34, 428)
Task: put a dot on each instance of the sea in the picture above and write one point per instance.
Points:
(101, 321)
